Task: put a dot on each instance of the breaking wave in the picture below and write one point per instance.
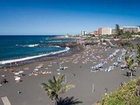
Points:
(33, 57)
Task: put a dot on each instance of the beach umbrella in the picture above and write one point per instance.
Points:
(17, 78)
(17, 73)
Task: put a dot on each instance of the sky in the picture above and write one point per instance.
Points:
(56, 17)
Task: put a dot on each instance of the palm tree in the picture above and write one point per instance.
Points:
(130, 64)
(67, 101)
(117, 30)
(56, 86)
(128, 35)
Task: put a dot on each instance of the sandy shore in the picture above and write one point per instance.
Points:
(89, 86)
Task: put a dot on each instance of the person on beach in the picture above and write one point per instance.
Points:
(121, 84)
(3, 76)
(0, 84)
(74, 74)
(106, 90)
(5, 81)
(93, 88)
(19, 92)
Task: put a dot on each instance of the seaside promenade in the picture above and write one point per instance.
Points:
(93, 72)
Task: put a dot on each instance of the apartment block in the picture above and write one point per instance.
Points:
(131, 29)
(105, 31)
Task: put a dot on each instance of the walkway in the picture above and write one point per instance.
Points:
(5, 100)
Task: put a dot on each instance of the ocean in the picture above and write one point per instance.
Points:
(19, 47)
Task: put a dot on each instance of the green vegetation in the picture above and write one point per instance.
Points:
(118, 30)
(126, 35)
(138, 33)
(124, 43)
(89, 38)
(55, 87)
(138, 54)
(128, 94)
(130, 65)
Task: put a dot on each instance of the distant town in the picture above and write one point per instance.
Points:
(112, 31)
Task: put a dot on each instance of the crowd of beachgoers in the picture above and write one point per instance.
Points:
(88, 56)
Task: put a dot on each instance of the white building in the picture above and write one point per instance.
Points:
(105, 31)
(131, 29)
(83, 33)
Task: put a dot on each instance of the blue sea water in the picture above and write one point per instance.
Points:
(15, 47)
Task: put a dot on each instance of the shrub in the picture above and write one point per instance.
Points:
(125, 95)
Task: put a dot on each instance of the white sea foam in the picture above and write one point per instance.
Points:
(32, 57)
(57, 46)
(30, 45)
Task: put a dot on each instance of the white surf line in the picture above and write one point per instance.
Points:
(32, 57)
(5, 100)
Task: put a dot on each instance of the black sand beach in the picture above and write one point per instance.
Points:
(89, 86)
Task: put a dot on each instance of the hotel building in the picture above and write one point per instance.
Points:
(104, 31)
(131, 29)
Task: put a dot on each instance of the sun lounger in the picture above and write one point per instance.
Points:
(110, 68)
(17, 79)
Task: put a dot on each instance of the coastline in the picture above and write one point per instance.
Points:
(78, 64)
(73, 49)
